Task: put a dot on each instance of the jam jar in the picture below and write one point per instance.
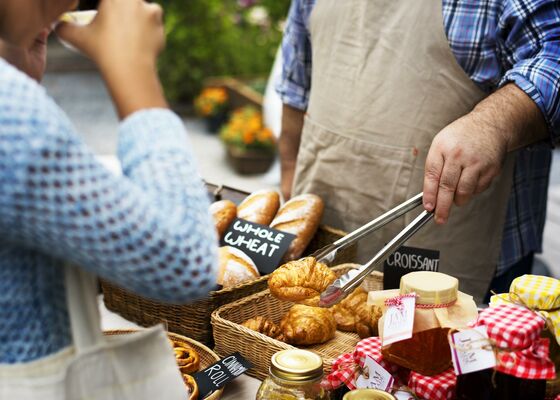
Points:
(368, 394)
(294, 375)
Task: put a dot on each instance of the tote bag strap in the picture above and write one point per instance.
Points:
(81, 297)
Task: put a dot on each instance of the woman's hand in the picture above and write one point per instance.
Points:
(124, 40)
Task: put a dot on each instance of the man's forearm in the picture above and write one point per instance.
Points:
(288, 146)
(512, 113)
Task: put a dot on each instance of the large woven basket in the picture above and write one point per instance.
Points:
(193, 320)
(230, 336)
(207, 356)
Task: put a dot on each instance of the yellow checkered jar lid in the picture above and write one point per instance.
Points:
(540, 292)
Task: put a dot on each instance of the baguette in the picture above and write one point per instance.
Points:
(259, 207)
(300, 216)
(223, 212)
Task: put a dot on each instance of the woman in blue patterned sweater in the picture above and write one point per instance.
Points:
(148, 231)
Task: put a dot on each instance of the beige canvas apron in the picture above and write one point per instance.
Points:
(384, 83)
(132, 367)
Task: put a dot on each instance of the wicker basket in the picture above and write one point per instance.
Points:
(207, 356)
(193, 320)
(230, 336)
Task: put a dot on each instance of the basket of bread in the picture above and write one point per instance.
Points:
(238, 275)
(286, 316)
(191, 357)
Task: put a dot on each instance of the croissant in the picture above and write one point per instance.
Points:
(353, 314)
(301, 281)
(265, 326)
(304, 325)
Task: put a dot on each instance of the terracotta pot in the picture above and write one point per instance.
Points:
(248, 162)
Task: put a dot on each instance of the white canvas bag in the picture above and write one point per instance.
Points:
(140, 366)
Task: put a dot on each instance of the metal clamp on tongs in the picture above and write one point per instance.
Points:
(346, 284)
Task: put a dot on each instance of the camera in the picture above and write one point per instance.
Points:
(85, 5)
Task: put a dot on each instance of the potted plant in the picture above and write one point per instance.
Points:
(212, 104)
(251, 147)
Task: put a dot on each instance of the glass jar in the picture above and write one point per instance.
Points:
(368, 394)
(294, 375)
(439, 306)
(493, 385)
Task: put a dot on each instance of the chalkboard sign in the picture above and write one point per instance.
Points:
(263, 244)
(218, 374)
(408, 259)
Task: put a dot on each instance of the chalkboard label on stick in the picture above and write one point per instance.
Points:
(218, 374)
(408, 259)
(264, 245)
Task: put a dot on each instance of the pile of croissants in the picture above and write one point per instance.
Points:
(302, 281)
(300, 216)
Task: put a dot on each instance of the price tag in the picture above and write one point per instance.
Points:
(399, 318)
(408, 259)
(374, 376)
(471, 352)
(263, 244)
(218, 374)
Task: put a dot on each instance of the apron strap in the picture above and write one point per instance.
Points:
(81, 297)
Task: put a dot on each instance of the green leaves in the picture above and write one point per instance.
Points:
(215, 38)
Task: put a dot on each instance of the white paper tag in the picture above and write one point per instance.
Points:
(399, 321)
(374, 377)
(403, 395)
(469, 351)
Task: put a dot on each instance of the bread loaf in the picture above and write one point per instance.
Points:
(223, 212)
(300, 216)
(259, 207)
(235, 267)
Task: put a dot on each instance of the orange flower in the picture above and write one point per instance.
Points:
(248, 137)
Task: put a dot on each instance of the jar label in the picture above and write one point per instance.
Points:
(374, 376)
(471, 351)
(399, 318)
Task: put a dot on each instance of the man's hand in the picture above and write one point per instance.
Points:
(290, 137)
(468, 154)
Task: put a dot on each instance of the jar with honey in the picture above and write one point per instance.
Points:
(294, 375)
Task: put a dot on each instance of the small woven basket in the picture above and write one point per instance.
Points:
(207, 356)
(230, 336)
(193, 320)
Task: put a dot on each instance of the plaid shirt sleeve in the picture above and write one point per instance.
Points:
(529, 41)
(295, 81)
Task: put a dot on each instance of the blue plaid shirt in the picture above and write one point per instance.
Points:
(495, 42)
(148, 231)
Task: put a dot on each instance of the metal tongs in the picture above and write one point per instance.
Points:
(346, 284)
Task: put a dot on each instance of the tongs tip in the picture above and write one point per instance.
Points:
(331, 296)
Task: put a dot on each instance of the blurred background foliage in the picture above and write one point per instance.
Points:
(208, 38)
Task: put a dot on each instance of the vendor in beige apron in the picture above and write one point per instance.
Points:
(384, 83)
